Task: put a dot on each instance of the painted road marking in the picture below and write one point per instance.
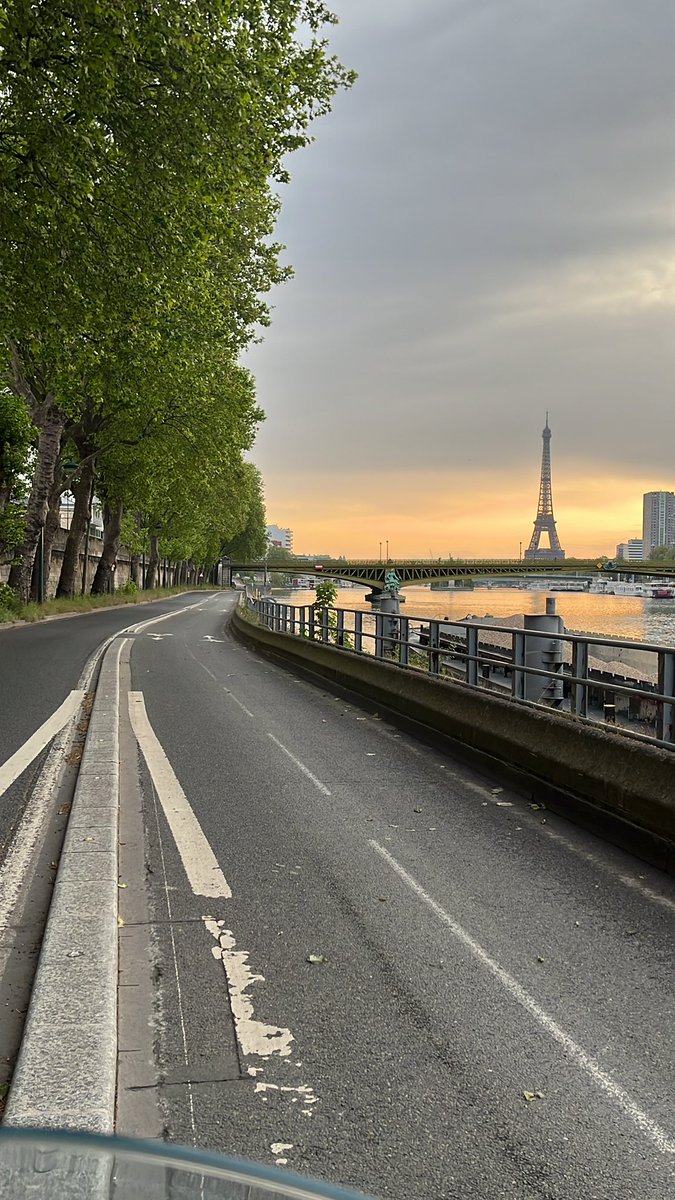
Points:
(24, 756)
(613, 1090)
(300, 765)
(201, 865)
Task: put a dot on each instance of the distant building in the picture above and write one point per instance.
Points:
(280, 537)
(630, 551)
(658, 520)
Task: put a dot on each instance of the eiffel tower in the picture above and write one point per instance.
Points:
(545, 521)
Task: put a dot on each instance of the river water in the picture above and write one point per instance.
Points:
(631, 618)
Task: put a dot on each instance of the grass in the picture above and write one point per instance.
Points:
(80, 604)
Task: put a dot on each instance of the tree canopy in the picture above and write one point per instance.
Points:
(141, 151)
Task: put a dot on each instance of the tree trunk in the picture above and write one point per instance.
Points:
(49, 445)
(153, 563)
(104, 579)
(52, 524)
(135, 569)
(82, 491)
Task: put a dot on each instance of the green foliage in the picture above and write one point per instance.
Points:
(662, 554)
(139, 149)
(326, 595)
(279, 554)
(9, 601)
(129, 589)
(16, 437)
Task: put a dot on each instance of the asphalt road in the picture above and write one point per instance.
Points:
(40, 665)
(490, 1010)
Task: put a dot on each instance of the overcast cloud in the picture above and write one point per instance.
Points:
(482, 230)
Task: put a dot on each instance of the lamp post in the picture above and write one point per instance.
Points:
(380, 551)
(387, 549)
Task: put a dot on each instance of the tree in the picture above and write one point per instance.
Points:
(250, 542)
(662, 554)
(138, 146)
(16, 437)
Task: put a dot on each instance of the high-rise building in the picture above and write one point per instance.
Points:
(280, 537)
(658, 520)
(630, 551)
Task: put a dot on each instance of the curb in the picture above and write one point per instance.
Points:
(66, 1071)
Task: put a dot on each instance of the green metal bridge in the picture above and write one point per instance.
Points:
(372, 573)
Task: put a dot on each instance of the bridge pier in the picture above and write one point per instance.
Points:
(544, 654)
(387, 607)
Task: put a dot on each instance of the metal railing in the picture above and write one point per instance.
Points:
(557, 671)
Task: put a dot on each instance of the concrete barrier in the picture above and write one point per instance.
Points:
(620, 788)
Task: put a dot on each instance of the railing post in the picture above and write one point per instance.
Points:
(664, 725)
(341, 627)
(325, 628)
(403, 635)
(434, 655)
(518, 672)
(302, 621)
(472, 650)
(358, 632)
(579, 696)
(379, 635)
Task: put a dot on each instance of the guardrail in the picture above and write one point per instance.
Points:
(511, 662)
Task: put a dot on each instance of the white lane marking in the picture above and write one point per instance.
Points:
(179, 990)
(29, 837)
(535, 824)
(613, 1090)
(242, 706)
(201, 865)
(24, 756)
(300, 765)
(254, 1036)
(141, 625)
(215, 680)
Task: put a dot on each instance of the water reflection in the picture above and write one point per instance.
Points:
(628, 617)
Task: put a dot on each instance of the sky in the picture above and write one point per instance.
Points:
(483, 230)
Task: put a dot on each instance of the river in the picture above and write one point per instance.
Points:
(631, 618)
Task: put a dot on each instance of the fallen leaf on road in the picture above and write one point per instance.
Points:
(75, 954)
(496, 791)
(504, 804)
(316, 958)
(539, 958)
(370, 754)
(382, 898)
(417, 809)
(536, 806)
(122, 885)
(120, 922)
(533, 1095)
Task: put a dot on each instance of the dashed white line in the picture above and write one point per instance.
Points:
(300, 765)
(24, 756)
(609, 1086)
(201, 865)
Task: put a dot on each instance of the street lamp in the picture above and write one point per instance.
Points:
(380, 551)
(387, 549)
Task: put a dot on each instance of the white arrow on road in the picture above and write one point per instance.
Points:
(157, 637)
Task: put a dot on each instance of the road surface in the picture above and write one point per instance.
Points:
(346, 954)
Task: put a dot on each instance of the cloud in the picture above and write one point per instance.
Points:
(483, 230)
